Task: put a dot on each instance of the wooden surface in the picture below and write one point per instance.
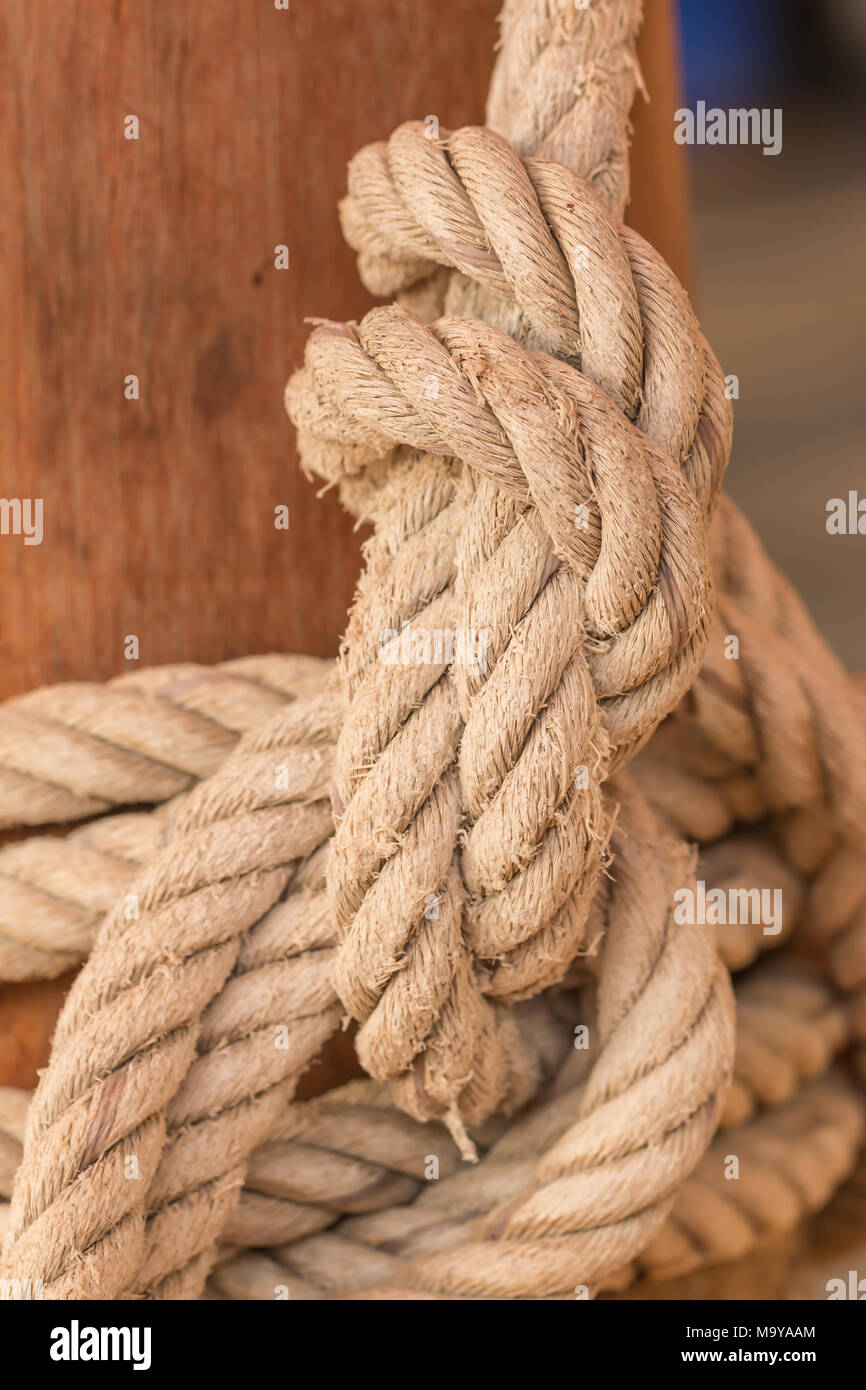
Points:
(155, 258)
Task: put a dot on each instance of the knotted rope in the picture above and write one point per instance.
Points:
(593, 632)
(540, 453)
(586, 635)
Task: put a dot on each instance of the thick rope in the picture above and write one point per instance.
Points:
(55, 890)
(791, 1162)
(242, 1075)
(633, 1093)
(790, 1026)
(574, 77)
(608, 1182)
(647, 628)
(563, 86)
(128, 1031)
(76, 750)
(788, 1166)
(351, 1152)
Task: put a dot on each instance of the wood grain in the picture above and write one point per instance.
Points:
(155, 257)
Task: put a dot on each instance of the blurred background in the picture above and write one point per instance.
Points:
(779, 279)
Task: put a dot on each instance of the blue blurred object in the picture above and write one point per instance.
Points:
(736, 51)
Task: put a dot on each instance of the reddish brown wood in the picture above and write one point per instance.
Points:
(155, 257)
(27, 1017)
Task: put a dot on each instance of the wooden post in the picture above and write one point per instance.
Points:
(153, 257)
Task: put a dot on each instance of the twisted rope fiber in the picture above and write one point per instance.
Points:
(420, 997)
(789, 1027)
(726, 755)
(804, 697)
(659, 992)
(646, 1113)
(127, 1035)
(644, 613)
(351, 1152)
(55, 890)
(666, 902)
(79, 749)
(354, 1154)
(776, 1053)
(239, 1079)
(806, 838)
(284, 1216)
(792, 1160)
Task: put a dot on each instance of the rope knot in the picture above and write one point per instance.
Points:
(540, 451)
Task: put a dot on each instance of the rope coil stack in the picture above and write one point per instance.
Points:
(468, 837)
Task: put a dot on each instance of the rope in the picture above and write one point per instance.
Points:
(76, 750)
(555, 695)
(54, 891)
(635, 1104)
(129, 1029)
(790, 1161)
(540, 453)
(350, 1153)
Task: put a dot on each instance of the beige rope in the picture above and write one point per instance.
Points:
(609, 1180)
(790, 1026)
(55, 890)
(789, 1162)
(646, 626)
(469, 203)
(350, 1152)
(629, 1101)
(75, 750)
(563, 86)
(128, 1031)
